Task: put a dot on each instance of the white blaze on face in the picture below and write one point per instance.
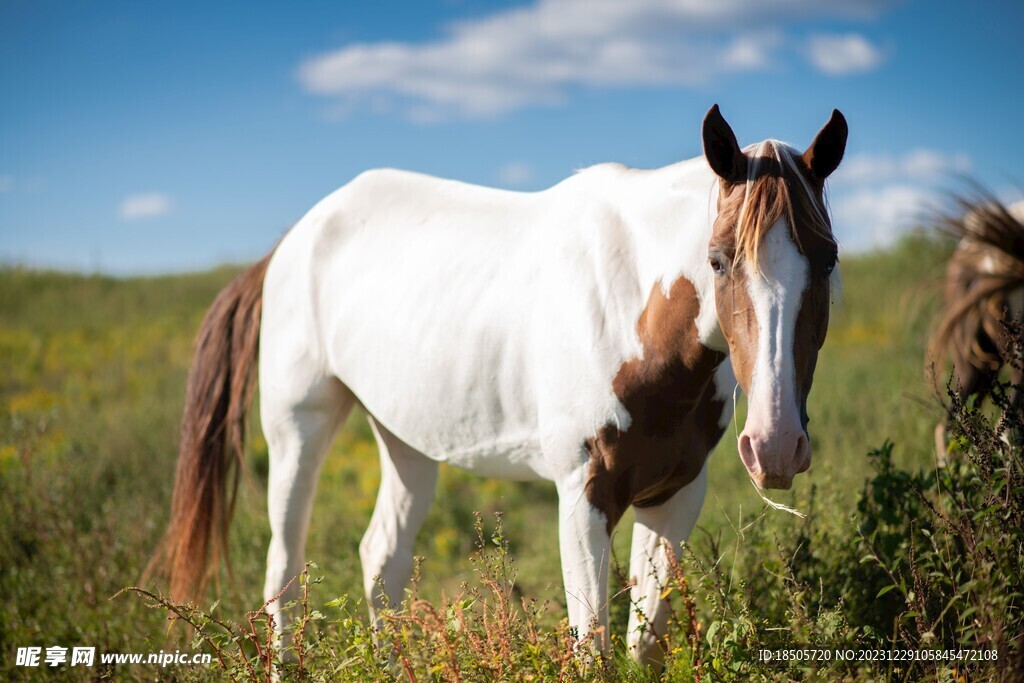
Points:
(773, 444)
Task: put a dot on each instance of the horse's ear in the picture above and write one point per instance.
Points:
(721, 149)
(825, 153)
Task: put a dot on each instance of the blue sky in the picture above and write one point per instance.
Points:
(146, 137)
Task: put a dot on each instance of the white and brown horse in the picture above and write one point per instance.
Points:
(582, 334)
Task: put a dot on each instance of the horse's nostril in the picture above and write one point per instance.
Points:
(802, 455)
(747, 453)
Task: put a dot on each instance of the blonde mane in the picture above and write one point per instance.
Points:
(775, 188)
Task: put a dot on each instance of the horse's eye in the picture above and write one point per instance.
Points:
(717, 265)
(830, 265)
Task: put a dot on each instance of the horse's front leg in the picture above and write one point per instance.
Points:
(585, 545)
(655, 528)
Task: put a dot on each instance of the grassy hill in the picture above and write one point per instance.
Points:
(92, 373)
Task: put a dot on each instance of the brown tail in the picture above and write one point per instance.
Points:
(210, 459)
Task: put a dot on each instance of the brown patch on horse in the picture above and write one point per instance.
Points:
(738, 321)
(669, 395)
(220, 386)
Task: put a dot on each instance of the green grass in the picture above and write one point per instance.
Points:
(92, 374)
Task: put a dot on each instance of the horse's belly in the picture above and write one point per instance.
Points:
(517, 458)
(480, 429)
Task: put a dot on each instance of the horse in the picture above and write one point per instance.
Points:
(590, 334)
(984, 289)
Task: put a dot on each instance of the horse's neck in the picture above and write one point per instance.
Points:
(670, 212)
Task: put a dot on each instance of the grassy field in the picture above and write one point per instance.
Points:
(92, 374)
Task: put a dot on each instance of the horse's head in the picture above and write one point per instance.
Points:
(772, 253)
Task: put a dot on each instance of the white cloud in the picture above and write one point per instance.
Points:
(148, 205)
(875, 217)
(926, 162)
(515, 174)
(919, 164)
(840, 55)
(877, 197)
(21, 184)
(536, 55)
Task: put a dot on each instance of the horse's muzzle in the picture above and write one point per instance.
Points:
(773, 459)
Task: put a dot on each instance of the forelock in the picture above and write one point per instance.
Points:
(776, 187)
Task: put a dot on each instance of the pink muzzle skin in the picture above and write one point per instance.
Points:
(774, 457)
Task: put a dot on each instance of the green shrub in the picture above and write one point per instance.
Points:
(932, 559)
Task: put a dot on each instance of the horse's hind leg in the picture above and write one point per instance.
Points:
(408, 482)
(300, 420)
